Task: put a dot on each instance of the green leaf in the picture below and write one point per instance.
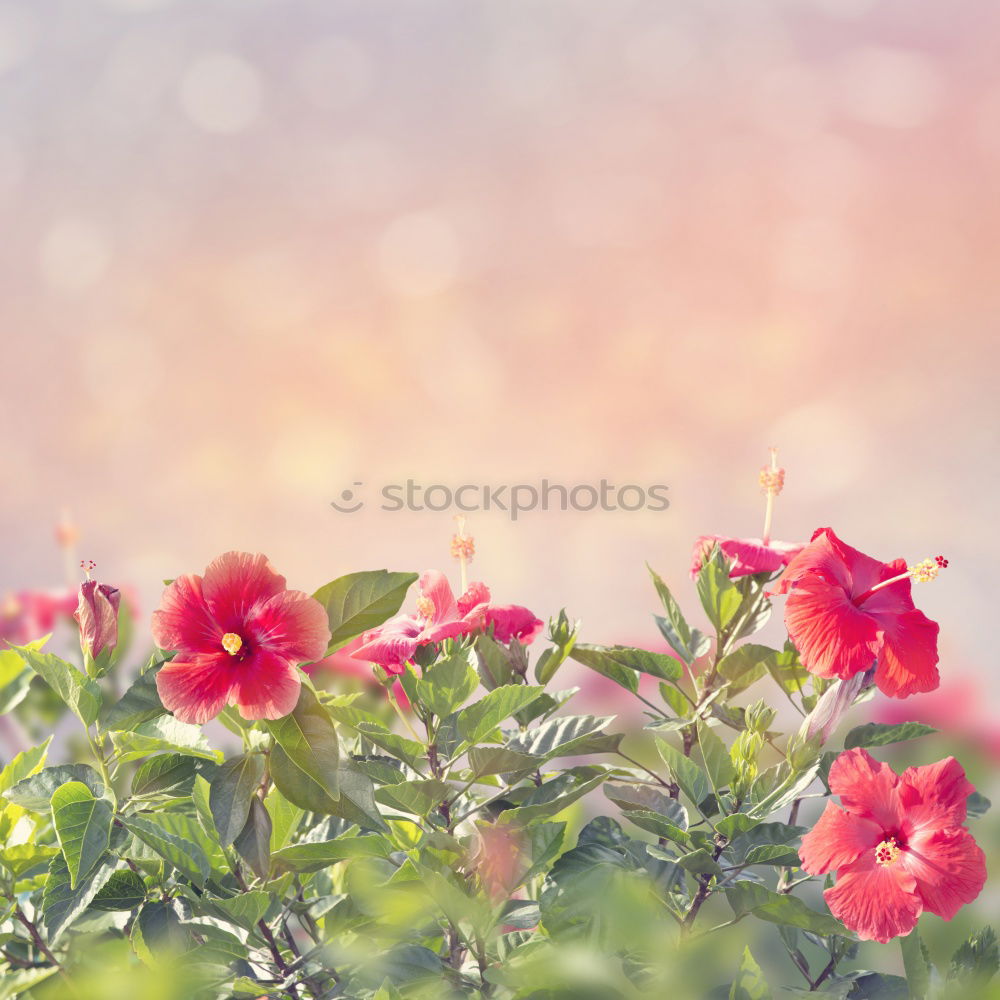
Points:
(285, 817)
(735, 825)
(26, 763)
(977, 960)
(621, 663)
(185, 855)
(167, 774)
(244, 910)
(568, 736)
(643, 797)
(230, 793)
(140, 703)
(877, 734)
(772, 854)
(125, 890)
(80, 693)
(15, 679)
(21, 859)
(83, 827)
(716, 757)
(554, 796)
(501, 760)
(918, 975)
(446, 685)
(674, 627)
(720, 597)
(416, 797)
(253, 842)
(61, 903)
(314, 857)
(692, 779)
(306, 756)
(746, 665)
(778, 908)
(700, 862)
(361, 601)
(35, 792)
(750, 983)
(477, 722)
(163, 735)
(18, 983)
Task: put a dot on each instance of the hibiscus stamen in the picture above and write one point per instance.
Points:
(921, 572)
(88, 566)
(887, 852)
(772, 482)
(232, 643)
(463, 548)
(425, 608)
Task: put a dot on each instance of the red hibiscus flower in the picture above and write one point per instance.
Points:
(30, 614)
(898, 846)
(240, 635)
(847, 612)
(745, 555)
(440, 616)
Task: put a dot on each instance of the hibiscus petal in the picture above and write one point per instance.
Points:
(949, 866)
(867, 788)
(267, 686)
(879, 902)
(935, 795)
(388, 649)
(196, 689)
(907, 660)
(184, 621)
(836, 840)
(235, 582)
(434, 585)
(834, 638)
(446, 630)
(293, 625)
(511, 621)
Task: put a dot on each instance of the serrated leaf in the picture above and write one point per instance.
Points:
(643, 797)
(140, 703)
(61, 903)
(35, 792)
(692, 779)
(719, 596)
(877, 734)
(184, 854)
(361, 601)
(715, 754)
(746, 665)
(314, 857)
(778, 908)
(24, 764)
(735, 825)
(478, 721)
(306, 757)
(230, 793)
(167, 774)
(163, 735)
(83, 827)
(124, 890)
(674, 627)
(552, 797)
(253, 842)
(244, 909)
(772, 854)
(501, 760)
(79, 692)
(977, 959)
(447, 684)
(567, 736)
(21, 859)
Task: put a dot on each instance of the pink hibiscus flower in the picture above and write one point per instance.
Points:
(898, 846)
(745, 555)
(30, 614)
(240, 635)
(440, 616)
(847, 611)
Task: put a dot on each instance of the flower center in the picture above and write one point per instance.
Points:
(232, 643)
(887, 852)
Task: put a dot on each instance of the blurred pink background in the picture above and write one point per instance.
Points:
(255, 252)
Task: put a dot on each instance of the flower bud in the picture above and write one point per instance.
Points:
(97, 616)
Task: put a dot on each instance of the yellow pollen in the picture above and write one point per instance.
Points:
(463, 546)
(887, 852)
(232, 643)
(425, 608)
(924, 571)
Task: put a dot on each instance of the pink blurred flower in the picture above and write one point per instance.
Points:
(847, 611)
(440, 616)
(745, 555)
(31, 614)
(240, 634)
(898, 846)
